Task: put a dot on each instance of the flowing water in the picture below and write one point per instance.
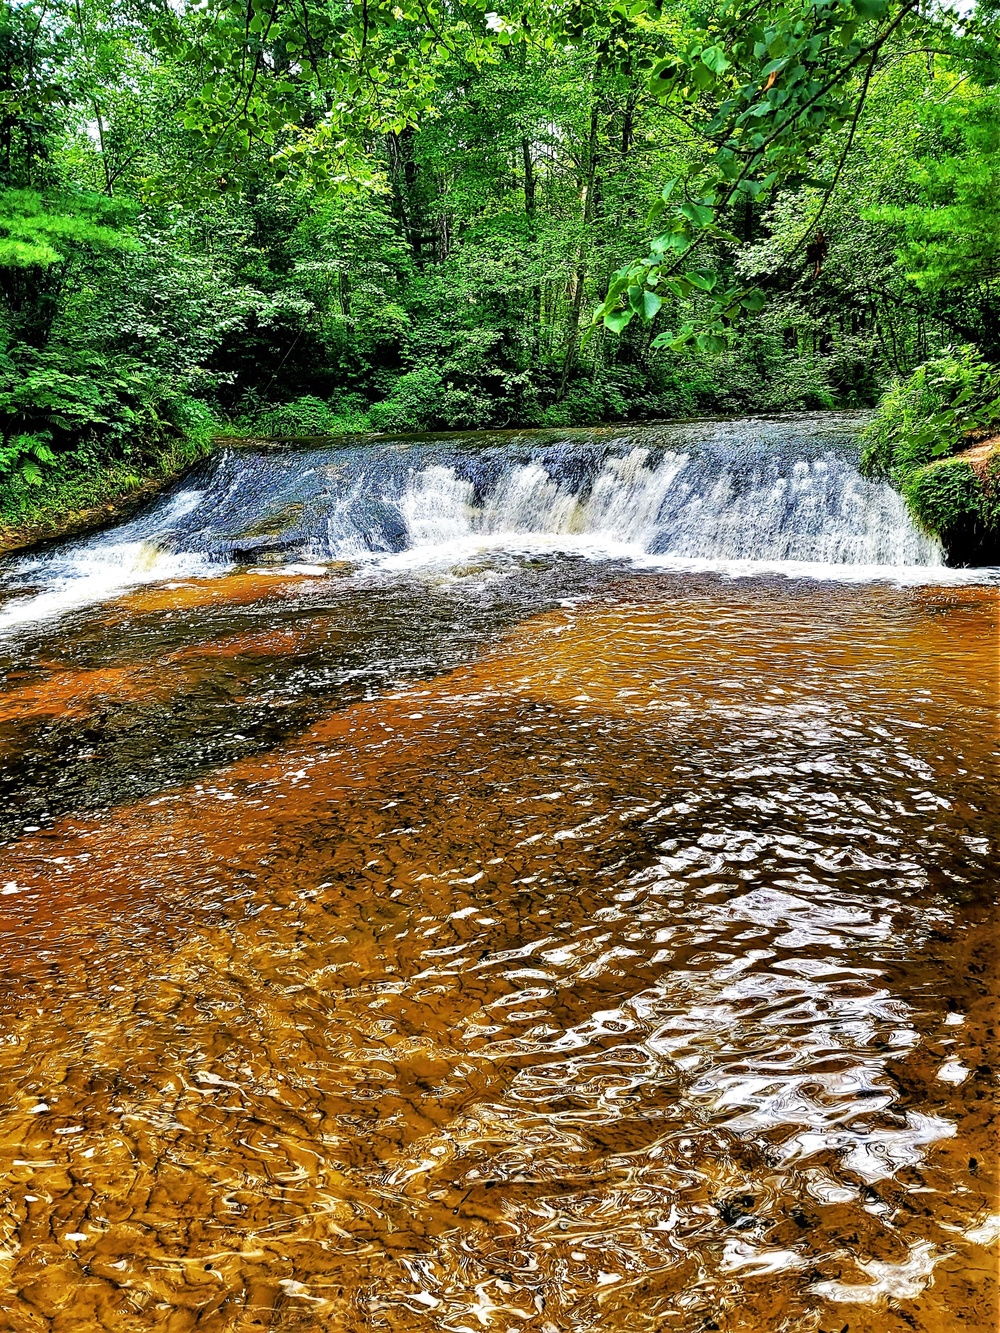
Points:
(529, 882)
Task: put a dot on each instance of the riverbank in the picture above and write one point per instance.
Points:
(70, 502)
(934, 438)
(957, 499)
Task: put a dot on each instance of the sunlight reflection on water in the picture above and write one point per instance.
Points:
(603, 981)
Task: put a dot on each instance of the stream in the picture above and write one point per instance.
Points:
(537, 882)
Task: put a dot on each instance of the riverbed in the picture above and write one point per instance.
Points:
(526, 934)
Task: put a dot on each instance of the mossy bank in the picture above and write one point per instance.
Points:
(936, 437)
(67, 499)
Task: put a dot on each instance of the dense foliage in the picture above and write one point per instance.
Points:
(934, 437)
(303, 216)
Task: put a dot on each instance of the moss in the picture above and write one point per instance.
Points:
(991, 493)
(953, 502)
(943, 495)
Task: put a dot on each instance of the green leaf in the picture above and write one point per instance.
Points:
(617, 320)
(703, 280)
(697, 214)
(715, 58)
(871, 9)
(728, 164)
(650, 305)
(663, 72)
(670, 240)
(710, 342)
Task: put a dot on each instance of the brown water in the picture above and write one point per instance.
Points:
(396, 958)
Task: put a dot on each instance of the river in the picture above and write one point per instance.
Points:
(507, 882)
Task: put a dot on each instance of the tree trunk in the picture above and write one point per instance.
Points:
(578, 281)
(529, 208)
(407, 194)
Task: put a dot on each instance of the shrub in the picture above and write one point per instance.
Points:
(943, 495)
(25, 455)
(913, 439)
(303, 416)
(932, 413)
(586, 402)
(64, 398)
(415, 403)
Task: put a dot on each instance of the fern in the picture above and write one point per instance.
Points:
(24, 453)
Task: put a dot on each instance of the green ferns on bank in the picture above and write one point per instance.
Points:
(65, 397)
(78, 430)
(918, 438)
(48, 502)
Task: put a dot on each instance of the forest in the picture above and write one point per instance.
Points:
(302, 217)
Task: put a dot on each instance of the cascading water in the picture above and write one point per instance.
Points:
(734, 495)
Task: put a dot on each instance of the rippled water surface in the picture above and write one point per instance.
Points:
(541, 946)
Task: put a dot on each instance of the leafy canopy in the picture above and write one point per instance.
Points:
(763, 89)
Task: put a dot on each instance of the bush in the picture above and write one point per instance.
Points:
(415, 403)
(913, 441)
(57, 402)
(931, 414)
(78, 428)
(39, 504)
(943, 495)
(24, 455)
(586, 402)
(305, 416)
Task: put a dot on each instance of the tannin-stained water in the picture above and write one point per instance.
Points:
(577, 949)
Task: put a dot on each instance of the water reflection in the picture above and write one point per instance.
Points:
(633, 976)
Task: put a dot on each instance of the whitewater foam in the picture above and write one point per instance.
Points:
(98, 569)
(741, 498)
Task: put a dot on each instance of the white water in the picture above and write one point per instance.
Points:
(824, 513)
(742, 498)
(93, 572)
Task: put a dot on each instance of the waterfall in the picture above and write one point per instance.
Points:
(739, 496)
(818, 510)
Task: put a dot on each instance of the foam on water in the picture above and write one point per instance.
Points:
(742, 498)
(85, 573)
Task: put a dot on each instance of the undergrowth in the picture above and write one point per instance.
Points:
(916, 439)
